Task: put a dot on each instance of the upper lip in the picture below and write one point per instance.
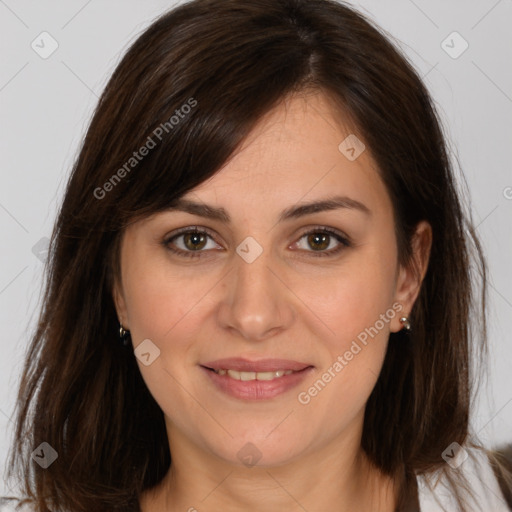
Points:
(262, 365)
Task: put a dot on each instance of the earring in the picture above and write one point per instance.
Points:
(124, 335)
(405, 322)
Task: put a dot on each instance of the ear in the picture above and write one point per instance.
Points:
(120, 304)
(409, 278)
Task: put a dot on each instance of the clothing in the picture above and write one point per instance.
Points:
(482, 483)
(476, 468)
(9, 505)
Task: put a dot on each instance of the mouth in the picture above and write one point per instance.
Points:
(255, 380)
(240, 364)
(247, 376)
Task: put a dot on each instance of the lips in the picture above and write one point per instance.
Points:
(240, 364)
(256, 386)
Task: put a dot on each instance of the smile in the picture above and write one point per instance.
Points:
(246, 376)
(255, 385)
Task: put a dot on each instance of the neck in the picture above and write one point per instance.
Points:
(337, 476)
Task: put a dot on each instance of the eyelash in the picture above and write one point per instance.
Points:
(342, 239)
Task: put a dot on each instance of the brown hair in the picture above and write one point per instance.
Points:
(232, 61)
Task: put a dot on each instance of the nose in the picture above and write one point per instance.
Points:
(257, 302)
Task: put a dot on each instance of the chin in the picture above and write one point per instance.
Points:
(259, 452)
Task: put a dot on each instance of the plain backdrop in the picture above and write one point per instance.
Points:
(46, 104)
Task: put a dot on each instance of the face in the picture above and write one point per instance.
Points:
(318, 290)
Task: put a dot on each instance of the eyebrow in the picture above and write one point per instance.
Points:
(293, 212)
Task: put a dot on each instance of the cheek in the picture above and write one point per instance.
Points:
(356, 305)
(162, 301)
(352, 299)
(167, 308)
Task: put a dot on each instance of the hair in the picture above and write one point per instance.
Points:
(231, 62)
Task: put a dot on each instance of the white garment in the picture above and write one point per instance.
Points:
(482, 482)
(477, 470)
(7, 505)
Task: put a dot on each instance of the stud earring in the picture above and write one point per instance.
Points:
(406, 324)
(124, 335)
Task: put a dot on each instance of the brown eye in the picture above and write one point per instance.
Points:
(318, 240)
(190, 242)
(194, 241)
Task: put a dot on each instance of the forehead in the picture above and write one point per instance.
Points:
(303, 149)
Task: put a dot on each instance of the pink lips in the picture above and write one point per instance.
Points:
(256, 389)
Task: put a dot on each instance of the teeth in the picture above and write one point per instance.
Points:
(253, 375)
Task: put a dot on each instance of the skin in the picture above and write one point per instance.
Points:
(288, 303)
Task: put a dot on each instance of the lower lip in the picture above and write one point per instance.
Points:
(257, 389)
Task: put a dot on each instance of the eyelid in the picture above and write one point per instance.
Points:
(343, 240)
(187, 229)
(320, 228)
(184, 230)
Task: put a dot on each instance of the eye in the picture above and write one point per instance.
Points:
(191, 242)
(321, 238)
(188, 241)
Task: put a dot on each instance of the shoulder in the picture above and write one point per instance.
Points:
(435, 491)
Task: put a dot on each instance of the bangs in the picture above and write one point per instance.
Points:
(184, 113)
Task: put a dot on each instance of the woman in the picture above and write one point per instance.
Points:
(259, 288)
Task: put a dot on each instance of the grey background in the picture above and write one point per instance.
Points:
(47, 103)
